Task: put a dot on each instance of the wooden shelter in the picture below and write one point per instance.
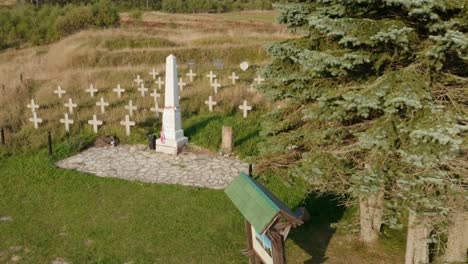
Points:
(267, 220)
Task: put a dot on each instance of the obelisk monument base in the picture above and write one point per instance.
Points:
(172, 140)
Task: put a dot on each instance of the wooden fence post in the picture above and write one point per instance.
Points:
(227, 144)
(2, 135)
(49, 142)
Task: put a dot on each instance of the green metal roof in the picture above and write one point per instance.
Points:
(256, 203)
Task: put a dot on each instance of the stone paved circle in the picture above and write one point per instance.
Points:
(137, 163)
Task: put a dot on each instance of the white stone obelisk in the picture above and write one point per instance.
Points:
(172, 138)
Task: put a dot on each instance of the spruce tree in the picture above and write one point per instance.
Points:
(371, 104)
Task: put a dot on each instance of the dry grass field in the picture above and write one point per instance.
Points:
(114, 56)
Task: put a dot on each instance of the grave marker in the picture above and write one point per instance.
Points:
(160, 83)
(172, 138)
(191, 63)
(130, 107)
(227, 142)
(155, 95)
(211, 76)
(245, 108)
(191, 75)
(67, 122)
(251, 89)
(33, 106)
(210, 103)
(215, 86)
(95, 123)
(138, 80)
(59, 92)
(91, 90)
(102, 104)
(156, 109)
(119, 91)
(35, 120)
(244, 66)
(70, 105)
(154, 73)
(181, 84)
(259, 79)
(142, 89)
(128, 124)
(219, 64)
(233, 78)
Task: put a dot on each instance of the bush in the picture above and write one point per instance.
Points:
(77, 19)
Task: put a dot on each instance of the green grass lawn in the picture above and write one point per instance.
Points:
(57, 213)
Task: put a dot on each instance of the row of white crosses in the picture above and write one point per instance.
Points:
(244, 107)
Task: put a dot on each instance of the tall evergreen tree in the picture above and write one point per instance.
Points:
(371, 104)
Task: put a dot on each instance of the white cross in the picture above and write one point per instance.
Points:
(95, 122)
(160, 83)
(216, 85)
(67, 122)
(33, 106)
(245, 108)
(70, 105)
(119, 90)
(91, 90)
(130, 107)
(251, 88)
(156, 109)
(138, 81)
(102, 104)
(35, 120)
(155, 95)
(128, 124)
(191, 74)
(210, 103)
(259, 79)
(233, 77)
(154, 73)
(142, 89)
(181, 84)
(59, 92)
(211, 76)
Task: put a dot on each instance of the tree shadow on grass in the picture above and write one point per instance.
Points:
(315, 235)
(247, 137)
(193, 128)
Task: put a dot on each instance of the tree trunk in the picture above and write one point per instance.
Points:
(371, 211)
(457, 243)
(417, 246)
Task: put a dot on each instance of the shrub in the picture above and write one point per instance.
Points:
(77, 19)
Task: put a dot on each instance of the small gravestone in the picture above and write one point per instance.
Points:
(128, 124)
(160, 83)
(59, 92)
(191, 75)
(67, 122)
(35, 120)
(219, 64)
(191, 64)
(130, 107)
(211, 76)
(233, 77)
(91, 90)
(138, 80)
(142, 89)
(155, 95)
(101, 103)
(227, 140)
(119, 91)
(215, 86)
(70, 105)
(210, 103)
(244, 66)
(245, 108)
(33, 106)
(156, 109)
(154, 73)
(251, 89)
(259, 79)
(181, 84)
(95, 123)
